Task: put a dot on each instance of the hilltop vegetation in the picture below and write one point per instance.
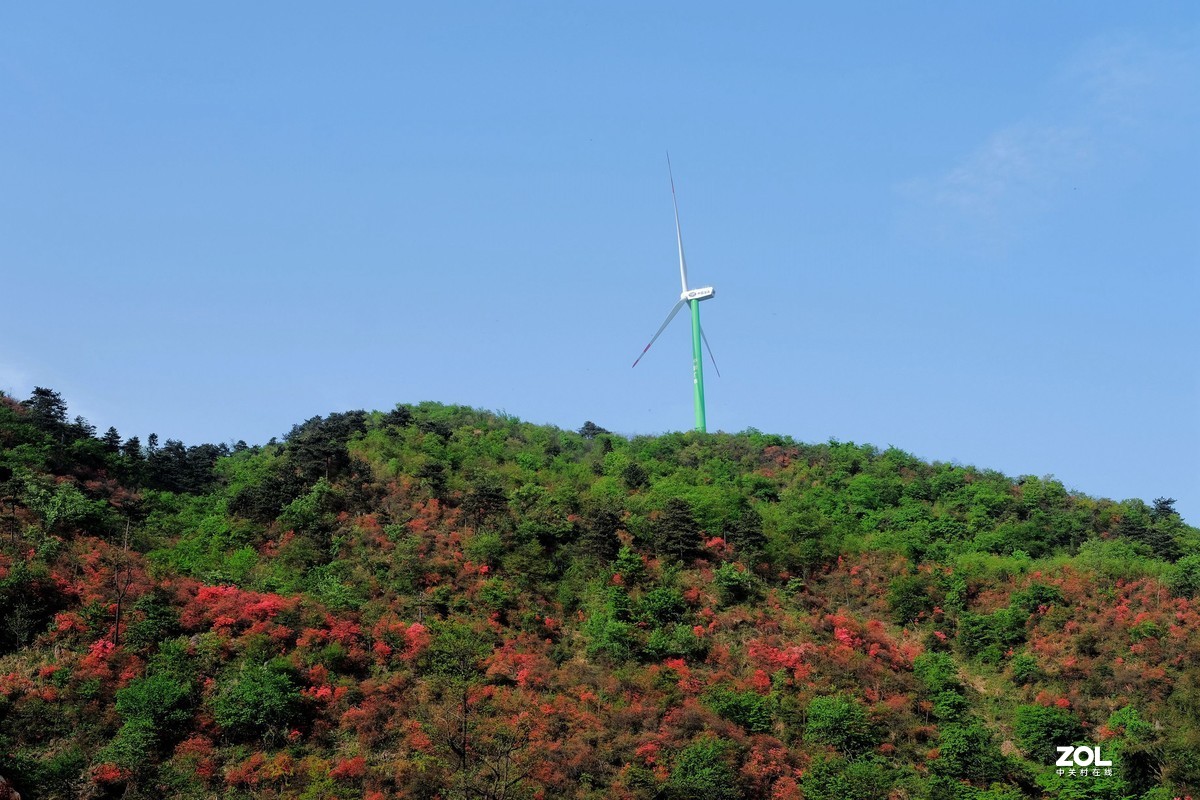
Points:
(439, 602)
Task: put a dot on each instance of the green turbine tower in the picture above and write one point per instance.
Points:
(692, 298)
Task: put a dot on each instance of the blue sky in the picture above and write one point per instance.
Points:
(967, 231)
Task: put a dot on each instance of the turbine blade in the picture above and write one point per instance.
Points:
(678, 232)
(709, 349)
(667, 322)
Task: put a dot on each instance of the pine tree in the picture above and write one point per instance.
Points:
(677, 532)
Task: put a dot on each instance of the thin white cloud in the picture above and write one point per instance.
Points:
(1129, 79)
(1110, 100)
(1022, 163)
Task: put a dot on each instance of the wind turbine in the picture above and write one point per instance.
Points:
(691, 297)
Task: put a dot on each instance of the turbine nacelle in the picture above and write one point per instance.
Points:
(697, 294)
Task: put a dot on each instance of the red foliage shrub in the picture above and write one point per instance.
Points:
(246, 773)
(108, 774)
(349, 769)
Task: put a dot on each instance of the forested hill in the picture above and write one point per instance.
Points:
(440, 602)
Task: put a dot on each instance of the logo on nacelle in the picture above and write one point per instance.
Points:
(698, 294)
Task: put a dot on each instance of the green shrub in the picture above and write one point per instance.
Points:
(1184, 577)
(1040, 729)
(1136, 728)
(938, 672)
(673, 641)
(628, 564)
(162, 699)
(1025, 669)
(496, 595)
(1146, 629)
(133, 746)
(456, 651)
(841, 723)
(609, 637)
(485, 547)
(909, 598)
(749, 709)
(734, 583)
(969, 752)
(159, 620)
(703, 770)
(990, 635)
(260, 700)
(1034, 596)
(661, 605)
(842, 779)
(950, 706)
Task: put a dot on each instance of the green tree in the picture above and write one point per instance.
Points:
(703, 770)
(750, 710)
(938, 673)
(601, 521)
(909, 597)
(676, 532)
(260, 701)
(661, 605)
(591, 430)
(629, 565)
(112, 440)
(1025, 669)
(162, 698)
(1184, 577)
(456, 652)
(1154, 528)
(842, 779)
(969, 752)
(634, 476)
(734, 584)
(840, 722)
(485, 500)
(47, 409)
(132, 449)
(745, 532)
(1040, 729)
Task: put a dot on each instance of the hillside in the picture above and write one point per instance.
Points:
(440, 602)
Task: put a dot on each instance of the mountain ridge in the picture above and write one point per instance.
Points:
(373, 606)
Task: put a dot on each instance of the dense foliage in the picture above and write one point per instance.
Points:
(438, 602)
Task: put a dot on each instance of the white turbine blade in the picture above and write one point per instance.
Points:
(709, 349)
(667, 322)
(678, 233)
